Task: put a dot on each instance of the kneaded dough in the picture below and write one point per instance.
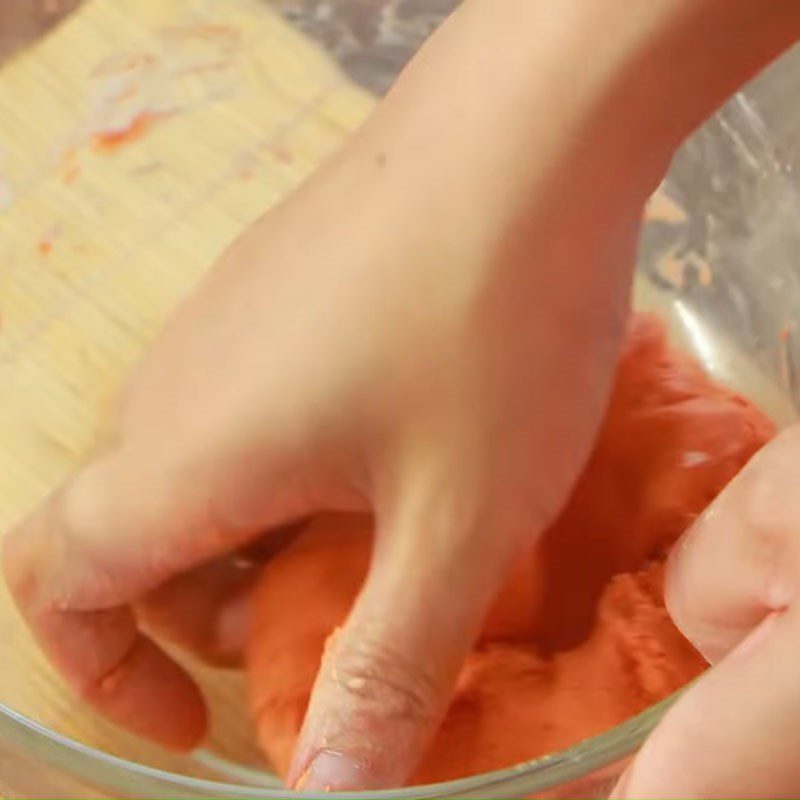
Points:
(578, 640)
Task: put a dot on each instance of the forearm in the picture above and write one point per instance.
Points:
(661, 66)
(508, 86)
(526, 115)
(687, 57)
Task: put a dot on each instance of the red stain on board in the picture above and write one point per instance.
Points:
(112, 140)
(279, 150)
(282, 154)
(124, 64)
(147, 168)
(69, 168)
(71, 174)
(216, 31)
(127, 93)
(47, 241)
(217, 34)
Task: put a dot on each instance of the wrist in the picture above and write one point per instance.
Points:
(689, 56)
(662, 65)
(509, 96)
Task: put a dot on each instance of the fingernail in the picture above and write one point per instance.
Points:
(330, 772)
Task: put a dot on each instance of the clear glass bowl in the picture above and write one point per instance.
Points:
(718, 262)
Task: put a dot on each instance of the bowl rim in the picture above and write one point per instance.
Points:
(108, 772)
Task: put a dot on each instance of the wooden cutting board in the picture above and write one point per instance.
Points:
(135, 143)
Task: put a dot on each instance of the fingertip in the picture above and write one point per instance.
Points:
(361, 732)
(152, 696)
(373, 709)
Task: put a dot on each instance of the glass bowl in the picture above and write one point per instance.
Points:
(717, 262)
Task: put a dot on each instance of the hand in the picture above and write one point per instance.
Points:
(733, 590)
(426, 329)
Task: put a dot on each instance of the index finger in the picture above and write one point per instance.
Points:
(102, 655)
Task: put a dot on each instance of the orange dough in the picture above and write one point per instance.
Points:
(579, 640)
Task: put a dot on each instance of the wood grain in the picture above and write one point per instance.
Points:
(136, 142)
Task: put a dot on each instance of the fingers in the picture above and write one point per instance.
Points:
(101, 654)
(387, 675)
(735, 733)
(113, 533)
(130, 521)
(206, 611)
(732, 589)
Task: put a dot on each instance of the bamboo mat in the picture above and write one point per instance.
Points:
(135, 142)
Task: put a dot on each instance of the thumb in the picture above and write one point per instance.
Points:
(387, 676)
(732, 590)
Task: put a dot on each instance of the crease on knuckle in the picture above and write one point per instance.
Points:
(382, 681)
(773, 546)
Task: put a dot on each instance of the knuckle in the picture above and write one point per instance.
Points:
(766, 497)
(770, 517)
(18, 567)
(381, 682)
(27, 554)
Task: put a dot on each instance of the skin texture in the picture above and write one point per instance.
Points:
(671, 440)
(376, 367)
